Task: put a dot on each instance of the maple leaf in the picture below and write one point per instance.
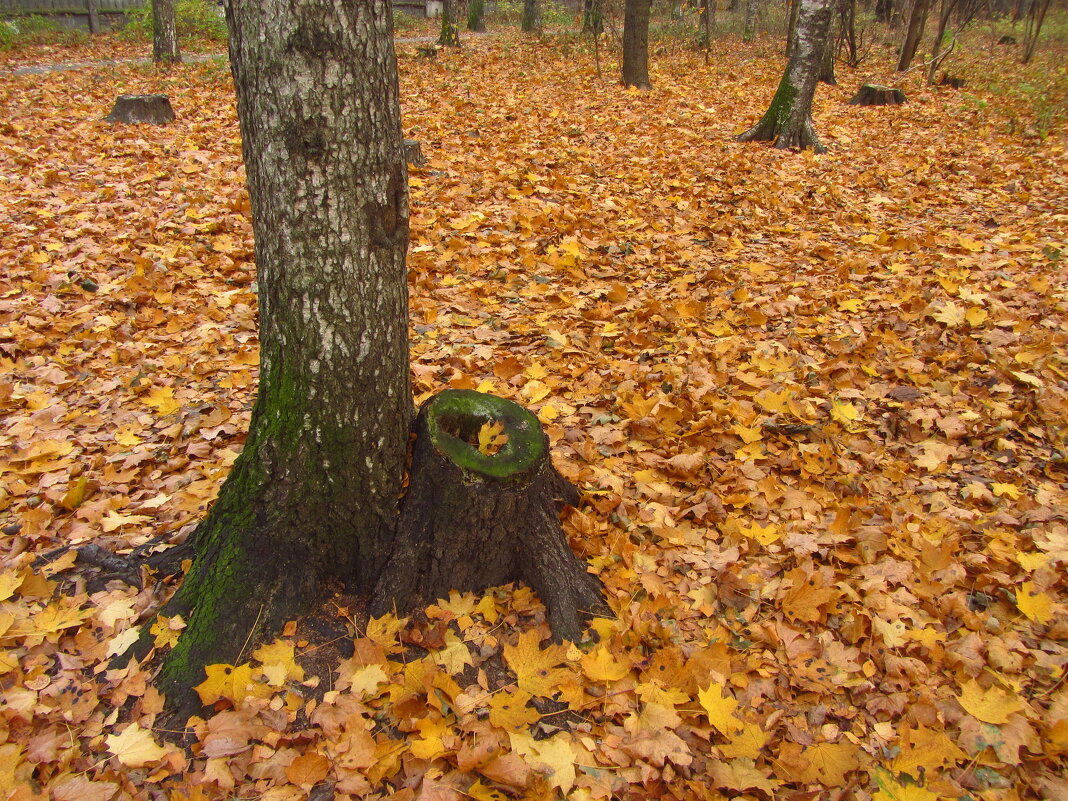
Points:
(230, 683)
(720, 708)
(135, 747)
(490, 438)
(279, 662)
(601, 666)
(510, 710)
(992, 705)
(534, 667)
(162, 400)
(554, 756)
(455, 656)
(308, 769)
(1037, 605)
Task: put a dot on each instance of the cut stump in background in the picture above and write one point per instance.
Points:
(152, 109)
(413, 152)
(871, 94)
(474, 519)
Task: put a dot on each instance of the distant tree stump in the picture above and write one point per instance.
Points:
(874, 95)
(153, 109)
(1007, 40)
(951, 81)
(473, 520)
(413, 152)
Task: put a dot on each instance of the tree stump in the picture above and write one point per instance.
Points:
(473, 519)
(413, 152)
(1007, 40)
(874, 95)
(951, 81)
(153, 109)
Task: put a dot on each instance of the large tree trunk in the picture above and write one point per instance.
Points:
(476, 16)
(312, 499)
(164, 32)
(788, 121)
(531, 16)
(472, 519)
(913, 34)
(636, 44)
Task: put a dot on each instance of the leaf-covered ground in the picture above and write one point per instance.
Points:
(817, 407)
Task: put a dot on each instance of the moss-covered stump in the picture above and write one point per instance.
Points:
(873, 95)
(476, 518)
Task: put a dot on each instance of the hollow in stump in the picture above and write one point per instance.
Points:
(153, 109)
(482, 509)
(413, 152)
(871, 94)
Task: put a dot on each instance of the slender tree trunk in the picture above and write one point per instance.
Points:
(944, 13)
(830, 48)
(636, 44)
(476, 16)
(914, 33)
(750, 21)
(312, 500)
(884, 10)
(1036, 15)
(788, 121)
(708, 23)
(791, 25)
(849, 32)
(450, 32)
(592, 19)
(164, 32)
(531, 16)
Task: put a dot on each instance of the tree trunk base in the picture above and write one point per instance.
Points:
(873, 95)
(784, 137)
(152, 109)
(473, 520)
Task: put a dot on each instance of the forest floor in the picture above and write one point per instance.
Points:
(817, 407)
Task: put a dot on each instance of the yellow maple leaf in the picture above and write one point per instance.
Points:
(490, 438)
(364, 681)
(162, 400)
(890, 789)
(135, 747)
(554, 756)
(951, 314)
(508, 710)
(455, 656)
(167, 630)
(230, 683)
(602, 666)
(765, 535)
(829, 763)
(279, 657)
(851, 305)
(1005, 490)
(747, 744)
(9, 583)
(976, 316)
(935, 454)
(844, 412)
(1037, 605)
(719, 707)
(430, 744)
(535, 667)
(773, 401)
(992, 705)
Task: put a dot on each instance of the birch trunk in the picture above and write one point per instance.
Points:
(788, 120)
(164, 32)
(312, 500)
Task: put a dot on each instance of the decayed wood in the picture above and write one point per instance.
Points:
(874, 95)
(472, 521)
(152, 109)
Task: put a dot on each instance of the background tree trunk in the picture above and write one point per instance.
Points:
(945, 10)
(164, 32)
(312, 499)
(531, 16)
(788, 121)
(93, 8)
(636, 44)
(476, 16)
(1036, 15)
(592, 20)
(450, 33)
(749, 28)
(913, 34)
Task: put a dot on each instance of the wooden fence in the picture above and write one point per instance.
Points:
(9, 8)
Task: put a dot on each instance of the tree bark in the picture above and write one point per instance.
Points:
(450, 33)
(592, 19)
(636, 44)
(472, 520)
(750, 21)
(1036, 15)
(913, 34)
(312, 499)
(92, 7)
(476, 16)
(945, 10)
(531, 16)
(132, 109)
(164, 33)
(788, 120)
(830, 45)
